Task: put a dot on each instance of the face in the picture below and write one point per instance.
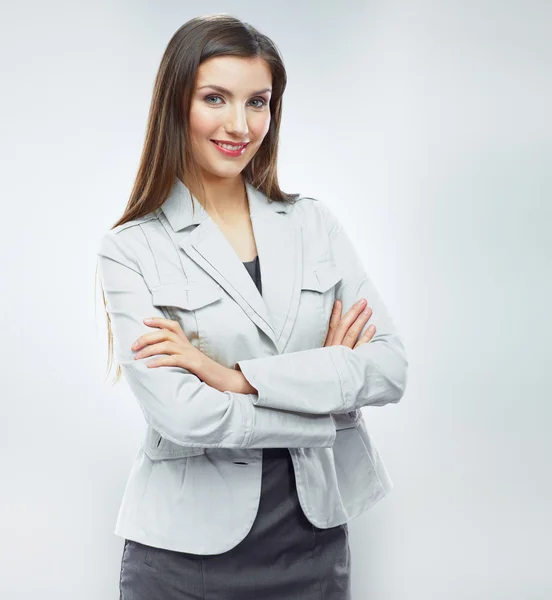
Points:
(238, 115)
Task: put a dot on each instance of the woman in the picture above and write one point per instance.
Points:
(256, 454)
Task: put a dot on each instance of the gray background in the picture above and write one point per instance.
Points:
(426, 127)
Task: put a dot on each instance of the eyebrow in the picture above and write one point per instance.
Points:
(229, 93)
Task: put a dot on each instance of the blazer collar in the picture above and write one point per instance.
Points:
(178, 206)
(278, 241)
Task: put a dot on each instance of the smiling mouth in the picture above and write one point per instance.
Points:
(229, 146)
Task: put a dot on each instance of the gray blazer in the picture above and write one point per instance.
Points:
(195, 483)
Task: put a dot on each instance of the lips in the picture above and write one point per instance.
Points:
(230, 153)
(239, 144)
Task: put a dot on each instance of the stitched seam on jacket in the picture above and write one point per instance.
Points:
(250, 423)
(298, 233)
(179, 256)
(151, 250)
(370, 458)
(341, 382)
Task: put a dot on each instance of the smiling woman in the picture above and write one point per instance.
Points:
(235, 120)
(245, 481)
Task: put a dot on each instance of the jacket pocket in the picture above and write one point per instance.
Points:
(316, 302)
(189, 303)
(159, 448)
(189, 295)
(320, 277)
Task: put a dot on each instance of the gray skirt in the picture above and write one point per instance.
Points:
(283, 557)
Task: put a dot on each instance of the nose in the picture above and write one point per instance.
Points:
(237, 122)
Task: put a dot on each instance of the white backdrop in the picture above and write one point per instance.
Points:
(426, 126)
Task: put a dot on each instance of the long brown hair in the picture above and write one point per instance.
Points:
(167, 147)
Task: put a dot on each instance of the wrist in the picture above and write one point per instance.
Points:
(243, 384)
(216, 375)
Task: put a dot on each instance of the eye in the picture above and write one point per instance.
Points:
(262, 100)
(211, 96)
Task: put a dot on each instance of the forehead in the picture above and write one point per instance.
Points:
(235, 72)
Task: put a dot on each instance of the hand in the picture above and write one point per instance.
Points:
(344, 331)
(171, 340)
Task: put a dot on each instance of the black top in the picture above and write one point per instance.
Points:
(254, 269)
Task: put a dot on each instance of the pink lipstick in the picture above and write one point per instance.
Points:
(228, 151)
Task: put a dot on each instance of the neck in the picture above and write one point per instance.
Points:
(222, 197)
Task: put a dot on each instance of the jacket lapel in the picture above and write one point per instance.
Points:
(278, 241)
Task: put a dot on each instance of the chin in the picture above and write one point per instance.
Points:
(230, 172)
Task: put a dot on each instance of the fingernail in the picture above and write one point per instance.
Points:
(361, 301)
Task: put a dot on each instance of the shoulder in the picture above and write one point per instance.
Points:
(315, 213)
(127, 240)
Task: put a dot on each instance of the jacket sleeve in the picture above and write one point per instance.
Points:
(181, 407)
(336, 379)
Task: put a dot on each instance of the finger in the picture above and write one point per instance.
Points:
(355, 309)
(367, 336)
(358, 325)
(166, 361)
(348, 320)
(169, 324)
(165, 347)
(155, 336)
(159, 322)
